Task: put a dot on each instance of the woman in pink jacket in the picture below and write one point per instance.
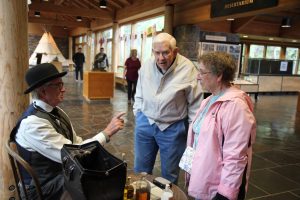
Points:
(221, 135)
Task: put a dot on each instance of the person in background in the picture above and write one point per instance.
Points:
(79, 59)
(101, 61)
(222, 133)
(132, 66)
(39, 58)
(166, 99)
(44, 128)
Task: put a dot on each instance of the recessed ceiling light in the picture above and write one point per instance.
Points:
(78, 18)
(37, 14)
(230, 19)
(102, 4)
(286, 22)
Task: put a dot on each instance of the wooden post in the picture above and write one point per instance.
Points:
(88, 62)
(169, 18)
(70, 43)
(13, 65)
(115, 47)
(298, 102)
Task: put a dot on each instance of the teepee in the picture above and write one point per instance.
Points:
(49, 50)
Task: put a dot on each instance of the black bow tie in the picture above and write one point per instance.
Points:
(55, 111)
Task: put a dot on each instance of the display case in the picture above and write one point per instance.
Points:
(269, 67)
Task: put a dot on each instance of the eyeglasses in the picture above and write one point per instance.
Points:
(201, 73)
(58, 85)
(163, 53)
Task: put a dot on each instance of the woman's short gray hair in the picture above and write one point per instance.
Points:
(165, 37)
(220, 63)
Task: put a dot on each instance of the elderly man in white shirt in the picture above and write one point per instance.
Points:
(167, 97)
(44, 128)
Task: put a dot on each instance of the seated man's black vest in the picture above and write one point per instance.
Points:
(45, 168)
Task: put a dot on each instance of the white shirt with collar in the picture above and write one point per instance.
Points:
(38, 134)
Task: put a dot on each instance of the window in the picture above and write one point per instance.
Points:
(256, 51)
(292, 54)
(273, 52)
(145, 31)
(124, 45)
(104, 39)
(93, 45)
(138, 36)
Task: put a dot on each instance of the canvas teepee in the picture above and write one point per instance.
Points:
(49, 50)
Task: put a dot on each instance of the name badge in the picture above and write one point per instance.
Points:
(187, 159)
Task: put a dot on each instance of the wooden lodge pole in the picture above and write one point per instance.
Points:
(13, 64)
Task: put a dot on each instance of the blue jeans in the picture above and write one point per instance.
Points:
(149, 138)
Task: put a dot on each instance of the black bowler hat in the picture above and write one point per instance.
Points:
(41, 74)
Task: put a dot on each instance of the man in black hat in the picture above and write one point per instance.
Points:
(44, 128)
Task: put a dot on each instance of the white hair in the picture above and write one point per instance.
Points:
(35, 93)
(165, 37)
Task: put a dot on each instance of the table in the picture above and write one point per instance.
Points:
(177, 192)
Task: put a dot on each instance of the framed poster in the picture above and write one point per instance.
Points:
(233, 49)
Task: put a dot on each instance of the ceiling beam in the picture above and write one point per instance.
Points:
(126, 2)
(114, 4)
(173, 2)
(58, 2)
(92, 4)
(58, 22)
(73, 11)
(81, 4)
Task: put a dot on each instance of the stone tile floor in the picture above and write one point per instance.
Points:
(276, 162)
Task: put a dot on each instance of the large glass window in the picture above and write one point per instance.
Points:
(104, 39)
(145, 30)
(93, 44)
(256, 51)
(292, 54)
(138, 36)
(273, 52)
(124, 45)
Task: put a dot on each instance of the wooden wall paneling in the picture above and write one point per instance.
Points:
(73, 11)
(240, 23)
(266, 29)
(215, 26)
(55, 22)
(191, 15)
(291, 84)
(270, 83)
(139, 7)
